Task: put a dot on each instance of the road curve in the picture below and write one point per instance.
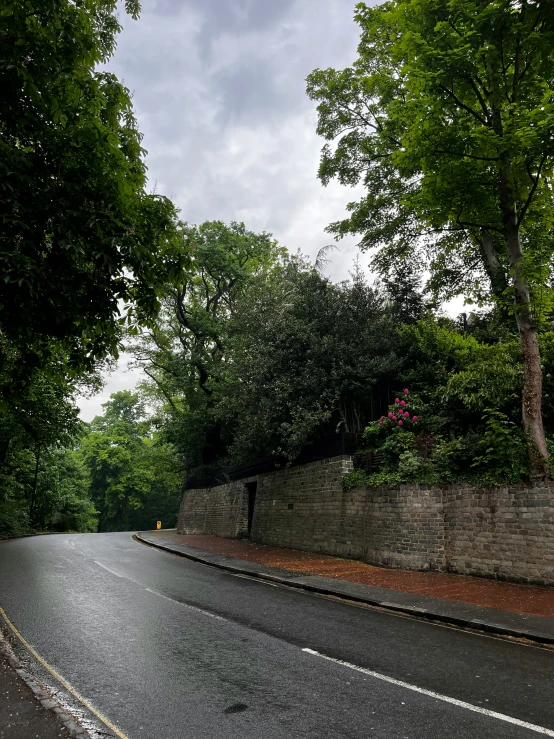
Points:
(169, 649)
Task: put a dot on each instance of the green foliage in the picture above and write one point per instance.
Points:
(62, 500)
(305, 358)
(465, 396)
(356, 478)
(44, 489)
(446, 119)
(41, 484)
(135, 478)
(186, 355)
(80, 235)
(443, 98)
(459, 376)
(502, 447)
(14, 520)
(550, 443)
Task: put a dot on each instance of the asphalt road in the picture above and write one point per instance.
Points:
(171, 649)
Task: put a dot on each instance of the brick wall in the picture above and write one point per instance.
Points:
(405, 527)
(504, 532)
(305, 507)
(222, 511)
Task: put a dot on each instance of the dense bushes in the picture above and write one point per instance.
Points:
(466, 397)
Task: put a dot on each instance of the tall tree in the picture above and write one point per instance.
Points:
(80, 235)
(307, 359)
(447, 117)
(185, 354)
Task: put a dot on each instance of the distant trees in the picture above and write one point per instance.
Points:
(446, 117)
(135, 478)
(39, 426)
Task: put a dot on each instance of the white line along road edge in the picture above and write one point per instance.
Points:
(437, 696)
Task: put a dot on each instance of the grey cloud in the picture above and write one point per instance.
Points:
(219, 93)
(234, 14)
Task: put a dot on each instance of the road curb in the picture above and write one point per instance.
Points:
(37, 533)
(420, 613)
(49, 702)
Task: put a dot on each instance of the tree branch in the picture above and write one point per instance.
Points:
(535, 181)
(163, 391)
(465, 107)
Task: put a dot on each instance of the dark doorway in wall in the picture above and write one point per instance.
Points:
(251, 488)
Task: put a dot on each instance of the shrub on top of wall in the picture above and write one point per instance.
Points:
(418, 443)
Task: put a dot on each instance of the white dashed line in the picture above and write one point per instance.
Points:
(437, 696)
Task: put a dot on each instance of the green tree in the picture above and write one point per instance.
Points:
(36, 415)
(42, 484)
(185, 355)
(306, 359)
(446, 117)
(80, 235)
(135, 478)
(62, 499)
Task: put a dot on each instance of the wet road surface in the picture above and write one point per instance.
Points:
(168, 649)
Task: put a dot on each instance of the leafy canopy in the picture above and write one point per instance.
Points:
(80, 235)
(306, 358)
(186, 354)
(443, 96)
(135, 477)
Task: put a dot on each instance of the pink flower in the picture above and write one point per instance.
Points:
(380, 423)
(414, 418)
(391, 414)
(406, 414)
(402, 402)
(382, 416)
(397, 400)
(400, 423)
(406, 391)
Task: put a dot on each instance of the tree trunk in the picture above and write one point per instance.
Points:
(493, 267)
(529, 345)
(34, 488)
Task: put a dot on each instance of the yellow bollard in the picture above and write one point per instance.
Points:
(158, 525)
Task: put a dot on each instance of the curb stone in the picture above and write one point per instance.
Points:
(413, 611)
(45, 699)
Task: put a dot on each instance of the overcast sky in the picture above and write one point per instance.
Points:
(219, 94)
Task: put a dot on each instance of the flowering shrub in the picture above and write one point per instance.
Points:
(398, 413)
(414, 443)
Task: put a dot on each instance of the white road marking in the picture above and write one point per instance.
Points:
(438, 696)
(161, 595)
(385, 678)
(112, 572)
(186, 605)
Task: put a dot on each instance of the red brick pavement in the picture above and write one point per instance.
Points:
(532, 600)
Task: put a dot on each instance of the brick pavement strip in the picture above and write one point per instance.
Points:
(501, 608)
(527, 599)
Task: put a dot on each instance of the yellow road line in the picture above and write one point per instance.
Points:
(61, 680)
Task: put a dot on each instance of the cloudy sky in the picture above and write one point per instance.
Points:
(219, 93)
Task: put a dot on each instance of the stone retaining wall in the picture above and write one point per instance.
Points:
(305, 507)
(503, 532)
(222, 511)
